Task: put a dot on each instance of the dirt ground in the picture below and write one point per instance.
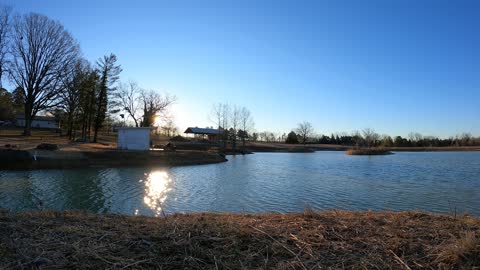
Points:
(106, 141)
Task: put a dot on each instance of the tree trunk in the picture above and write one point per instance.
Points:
(70, 125)
(95, 133)
(90, 113)
(27, 130)
(225, 139)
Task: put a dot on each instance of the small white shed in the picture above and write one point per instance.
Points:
(133, 138)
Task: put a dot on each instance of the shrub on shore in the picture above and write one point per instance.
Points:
(292, 138)
(47, 146)
(179, 138)
(368, 152)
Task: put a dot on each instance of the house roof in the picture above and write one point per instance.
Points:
(196, 130)
(37, 118)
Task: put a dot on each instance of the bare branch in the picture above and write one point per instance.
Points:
(4, 38)
(154, 104)
(43, 52)
(127, 100)
(305, 130)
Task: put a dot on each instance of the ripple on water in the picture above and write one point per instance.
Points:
(263, 182)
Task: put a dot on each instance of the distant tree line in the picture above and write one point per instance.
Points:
(43, 61)
(369, 138)
(304, 133)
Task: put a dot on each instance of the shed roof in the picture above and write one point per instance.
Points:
(196, 130)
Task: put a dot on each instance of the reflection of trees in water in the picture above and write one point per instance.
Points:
(226, 189)
(95, 190)
(52, 189)
(17, 191)
(83, 189)
(157, 185)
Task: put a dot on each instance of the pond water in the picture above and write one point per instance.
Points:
(263, 182)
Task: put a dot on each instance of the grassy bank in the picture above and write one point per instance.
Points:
(310, 240)
(44, 159)
(436, 149)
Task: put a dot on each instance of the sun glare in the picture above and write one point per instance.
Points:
(157, 186)
(158, 121)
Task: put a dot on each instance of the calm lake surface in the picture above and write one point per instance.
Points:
(262, 182)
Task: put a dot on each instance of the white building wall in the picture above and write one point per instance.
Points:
(38, 124)
(133, 138)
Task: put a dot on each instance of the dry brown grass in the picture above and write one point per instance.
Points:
(311, 240)
(462, 250)
(14, 136)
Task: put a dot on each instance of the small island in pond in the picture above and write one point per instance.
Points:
(368, 152)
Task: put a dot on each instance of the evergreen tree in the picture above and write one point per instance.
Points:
(109, 72)
(292, 138)
(18, 96)
(6, 105)
(332, 139)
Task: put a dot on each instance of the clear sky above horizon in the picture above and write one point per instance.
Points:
(395, 66)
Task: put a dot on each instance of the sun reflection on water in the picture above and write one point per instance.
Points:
(157, 186)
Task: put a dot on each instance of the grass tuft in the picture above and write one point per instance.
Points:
(462, 251)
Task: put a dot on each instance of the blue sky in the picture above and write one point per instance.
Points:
(395, 66)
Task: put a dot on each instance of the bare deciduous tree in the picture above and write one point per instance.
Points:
(169, 128)
(216, 114)
(154, 104)
(73, 82)
(304, 130)
(246, 124)
(127, 99)
(235, 124)
(415, 138)
(4, 38)
(42, 52)
(370, 137)
(221, 115)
